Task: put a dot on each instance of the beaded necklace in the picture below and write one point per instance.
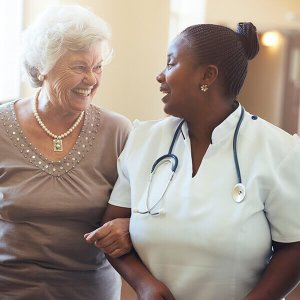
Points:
(57, 139)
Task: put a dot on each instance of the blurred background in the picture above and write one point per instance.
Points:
(141, 32)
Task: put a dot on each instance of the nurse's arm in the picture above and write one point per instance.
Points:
(130, 265)
(281, 275)
(112, 237)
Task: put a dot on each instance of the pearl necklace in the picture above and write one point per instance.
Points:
(57, 139)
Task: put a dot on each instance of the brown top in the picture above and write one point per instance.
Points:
(46, 207)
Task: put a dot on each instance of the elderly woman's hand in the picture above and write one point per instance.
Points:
(112, 238)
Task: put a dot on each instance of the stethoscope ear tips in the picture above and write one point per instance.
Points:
(239, 193)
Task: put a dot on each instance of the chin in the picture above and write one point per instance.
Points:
(81, 106)
(169, 111)
(87, 104)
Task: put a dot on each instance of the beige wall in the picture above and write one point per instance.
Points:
(140, 36)
(266, 15)
(262, 92)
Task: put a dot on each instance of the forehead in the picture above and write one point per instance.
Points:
(93, 54)
(179, 47)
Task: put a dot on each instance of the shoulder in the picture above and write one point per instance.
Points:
(111, 119)
(151, 134)
(6, 113)
(5, 106)
(266, 129)
(113, 128)
(155, 126)
(268, 136)
(8, 123)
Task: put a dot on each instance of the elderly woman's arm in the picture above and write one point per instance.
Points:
(129, 265)
(281, 275)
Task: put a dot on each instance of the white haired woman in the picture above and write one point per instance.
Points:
(58, 166)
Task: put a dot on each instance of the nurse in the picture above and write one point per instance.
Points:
(195, 236)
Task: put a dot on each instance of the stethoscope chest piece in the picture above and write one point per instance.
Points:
(238, 193)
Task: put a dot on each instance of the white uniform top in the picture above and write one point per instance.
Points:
(206, 246)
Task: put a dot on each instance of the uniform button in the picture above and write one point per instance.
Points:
(254, 117)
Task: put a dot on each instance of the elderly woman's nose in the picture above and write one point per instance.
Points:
(91, 78)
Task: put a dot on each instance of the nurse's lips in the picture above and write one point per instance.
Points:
(165, 91)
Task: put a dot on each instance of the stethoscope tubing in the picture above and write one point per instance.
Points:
(176, 134)
(239, 189)
(234, 145)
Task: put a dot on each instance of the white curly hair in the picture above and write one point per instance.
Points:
(58, 29)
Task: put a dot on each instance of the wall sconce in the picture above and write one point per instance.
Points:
(270, 39)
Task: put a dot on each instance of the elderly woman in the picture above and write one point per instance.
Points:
(58, 165)
(219, 216)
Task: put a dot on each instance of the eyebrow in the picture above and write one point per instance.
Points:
(84, 63)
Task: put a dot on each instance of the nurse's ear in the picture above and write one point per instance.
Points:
(208, 76)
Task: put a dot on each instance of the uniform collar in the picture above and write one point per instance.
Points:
(227, 126)
(222, 130)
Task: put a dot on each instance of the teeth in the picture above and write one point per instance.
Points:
(82, 91)
(164, 91)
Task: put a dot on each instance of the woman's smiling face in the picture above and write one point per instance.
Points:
(180, 79)
(75, 78)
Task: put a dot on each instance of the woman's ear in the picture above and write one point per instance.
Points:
(210, 74)
(208, 77)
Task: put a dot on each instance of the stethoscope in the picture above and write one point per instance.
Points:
(238, 192)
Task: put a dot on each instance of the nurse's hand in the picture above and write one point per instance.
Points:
(154, 291)
(112, 238)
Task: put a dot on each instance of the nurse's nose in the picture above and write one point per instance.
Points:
(161, 77)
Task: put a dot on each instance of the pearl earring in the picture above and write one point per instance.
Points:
(204, 87)
(41, 77)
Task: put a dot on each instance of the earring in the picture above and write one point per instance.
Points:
(204, 87)
(41, 77)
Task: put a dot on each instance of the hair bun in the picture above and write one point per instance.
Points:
(248, 36)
